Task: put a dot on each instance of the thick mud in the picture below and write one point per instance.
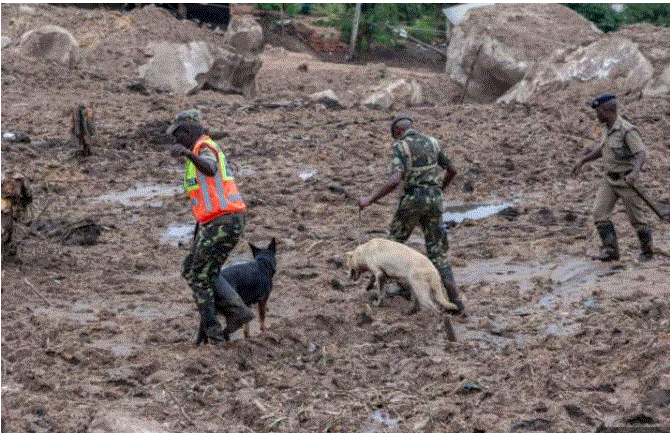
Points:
(96, 320)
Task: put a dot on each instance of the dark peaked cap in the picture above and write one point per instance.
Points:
(601, 100)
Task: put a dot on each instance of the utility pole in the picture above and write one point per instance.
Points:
(354, 31)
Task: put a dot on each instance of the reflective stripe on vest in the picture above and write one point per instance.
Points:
(211, 196)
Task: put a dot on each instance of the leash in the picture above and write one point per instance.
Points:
(359, 224)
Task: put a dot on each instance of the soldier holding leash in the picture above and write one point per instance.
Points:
(418, 161)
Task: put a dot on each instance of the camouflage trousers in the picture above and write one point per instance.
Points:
(424, 209)
(211, 246)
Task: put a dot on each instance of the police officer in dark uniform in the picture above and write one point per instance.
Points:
(418, 161)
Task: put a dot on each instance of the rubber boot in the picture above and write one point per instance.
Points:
(210, 328)
(231, 305)
(646, 245)
(610, 249)
(450, 287)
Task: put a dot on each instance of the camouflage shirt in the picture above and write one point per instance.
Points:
(420, 158)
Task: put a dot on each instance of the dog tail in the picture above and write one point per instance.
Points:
(421, 288)
(438, 293)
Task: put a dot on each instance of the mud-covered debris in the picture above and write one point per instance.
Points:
(336, 285)
(85, 233)
(578, 415)
(15, 137)
(532, 425)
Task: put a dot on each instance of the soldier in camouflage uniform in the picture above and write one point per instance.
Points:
(218, 230)
(624, 153)
(417, 160)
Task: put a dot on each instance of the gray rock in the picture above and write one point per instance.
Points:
(495, 46)
(50, 43)
(117, 421)
(6, 41)
(28, 10)
(615, 58)
(327, 98)
(244, 34)
(185, 68)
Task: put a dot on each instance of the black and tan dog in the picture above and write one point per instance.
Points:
(251, 280)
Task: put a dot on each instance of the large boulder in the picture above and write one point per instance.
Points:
(658, 86)
(495, 46)
(244, 34)
(49, 43)
(612, 58)
(185, 68)
(233, 72)
(175, 67)
(398, 92)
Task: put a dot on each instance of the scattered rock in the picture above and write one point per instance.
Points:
(50, 43)
(244, 34)
(378, 101)
(363, 319)
(117, 421)
(327, 98)
(28, 10)
(374, 71)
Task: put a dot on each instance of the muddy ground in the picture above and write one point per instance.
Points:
(95, 318)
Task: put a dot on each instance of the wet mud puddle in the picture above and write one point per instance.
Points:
(140, 195)
(458, 213)
(546, 298)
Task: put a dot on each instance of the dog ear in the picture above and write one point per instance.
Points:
(273, 245)
(254, 249)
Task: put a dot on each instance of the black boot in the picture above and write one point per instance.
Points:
(450, 287)
(610, 249)
(646, 245)
(209, 325)
(231, 305)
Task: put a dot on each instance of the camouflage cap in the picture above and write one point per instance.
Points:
(192, 115)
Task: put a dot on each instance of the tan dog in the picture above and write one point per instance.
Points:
(392, 260)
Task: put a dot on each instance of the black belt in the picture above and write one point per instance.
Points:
(616, 176)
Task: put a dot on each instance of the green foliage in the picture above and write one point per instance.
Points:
(290, 9)
(607, 19)
(655, 13)
(427, 28)
(426, 19)
(601, 14)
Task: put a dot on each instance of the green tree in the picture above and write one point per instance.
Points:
(655, 13)
(601, 14)
(607, 19)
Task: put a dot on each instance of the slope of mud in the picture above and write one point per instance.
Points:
(96, 319)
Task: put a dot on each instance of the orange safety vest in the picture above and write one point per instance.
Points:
(211, 196)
